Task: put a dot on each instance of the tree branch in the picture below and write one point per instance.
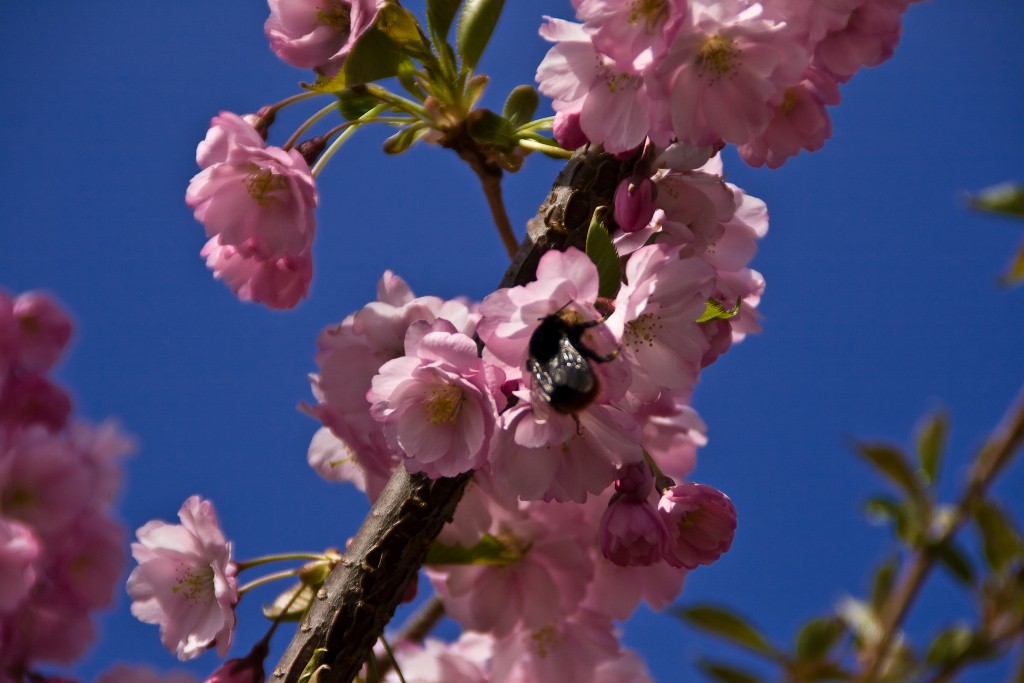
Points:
(361, 594)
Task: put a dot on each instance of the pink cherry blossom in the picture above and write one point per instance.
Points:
(88, 559)
(42, 331)
(616, 591)
(464, 661)
(19, 550)
(125, 673)
(632, 30)
(701, 523)
(185, 581)
(317, 33)
(628, 668)
(630, 530)
(33, 399)
(276, 283)
(868, 38)
(229, 139)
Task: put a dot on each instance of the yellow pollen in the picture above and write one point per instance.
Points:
(443, 404)
(642, 331)
(690, 519)
(788, 101)
(544, 639)
(337, 17)
(262, 183)
(651, 12)
(194, 585)
(718, 56)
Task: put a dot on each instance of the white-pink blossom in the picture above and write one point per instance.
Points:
(185, 581)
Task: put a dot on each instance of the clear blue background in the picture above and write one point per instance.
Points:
(881, 302)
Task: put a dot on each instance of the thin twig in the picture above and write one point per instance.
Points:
(491, 184)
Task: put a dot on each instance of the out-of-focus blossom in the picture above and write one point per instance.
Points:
(42, 330)
(185, 581)
(701, 523)
(125, 673)
(19, 550)
(248, 669)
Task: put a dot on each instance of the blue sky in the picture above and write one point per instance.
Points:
(881, 305)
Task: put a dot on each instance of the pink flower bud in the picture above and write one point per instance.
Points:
(567, 130)
(701, 524)
(246, 670)
(43, 329)
(634, 204)
(632, 533)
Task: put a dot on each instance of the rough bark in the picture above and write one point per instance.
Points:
(361, 594)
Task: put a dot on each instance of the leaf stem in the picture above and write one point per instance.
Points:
(290, 142)
(267, 579)
(345, 135)
(536, 146)
(281, 557)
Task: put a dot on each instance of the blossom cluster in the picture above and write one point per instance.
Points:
(579, 508)
(61, 550)
(755, 74)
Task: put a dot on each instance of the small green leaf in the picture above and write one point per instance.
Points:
(602, 252)
(931, 443)
(950, 646)
(440, 15)
(403, 139)
(489, 550)
(520, 105)
(1000, 541)
(1005, 198)
(726, 673)
(726, 624)
(890, 461)
(885, 579)
(487, 127)
(817, 637)
(354, 102)
(402, 27)
(955, 560)
(716, 310)
(312, 664)
(290, 605)
(476, 24)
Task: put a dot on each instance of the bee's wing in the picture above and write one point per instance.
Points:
(541, 388)
(570, 369)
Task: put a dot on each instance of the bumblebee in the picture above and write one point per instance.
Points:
(560, 363)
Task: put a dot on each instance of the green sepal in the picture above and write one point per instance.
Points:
(716, 310)
(312, 664)
(931, 444)
(602, 252)
(354, 102)
(487, 127)
(403, 139)
(488, 550)
(290, 605)
(403, 28)
(375, 57)
(727, 625)
(1006, 199)
(726, 673)
(520, 105)
(440, 15)
(817, 638)
(476, 24)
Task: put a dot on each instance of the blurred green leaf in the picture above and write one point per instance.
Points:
(931, 444)
(354, 102)
(726, 673)
(291, 604)
(890, 461)
(885, 579)
(1005, 198)
(955, 560)
(476, 24)
(817, 637)
(950, 646)
(716, 310)
(1015, 273)
(1001, 543)
(373, 58)
(489, 550)
(726, 624)
(440, 14)
(520, 105)
(602, 252)
(905, 517)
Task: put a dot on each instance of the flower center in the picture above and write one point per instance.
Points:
(336, 15)
(642, 331)
(544, 639)
(194, 583)
(443, 404)
(789, 100)
(262, 183)
(718, 56)
(651, 12)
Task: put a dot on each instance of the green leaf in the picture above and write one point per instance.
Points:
(312, 664)
(885, 579)
(1015, 273)
(354, 102)
(817, 637)
(489, 550)
(1005, 198)
(726, 673)
(931, 443)
(716, 310)
(440, 15)
(890, 461)
(290, 605)
(476, 24)
(907, 522)
(402, 27)
(487, 127)
(373, 58)
(950, 646)
(520, 105)
(726, 624)
(602, 252)
(1000, 541)
(403, 139)
(955, 560)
